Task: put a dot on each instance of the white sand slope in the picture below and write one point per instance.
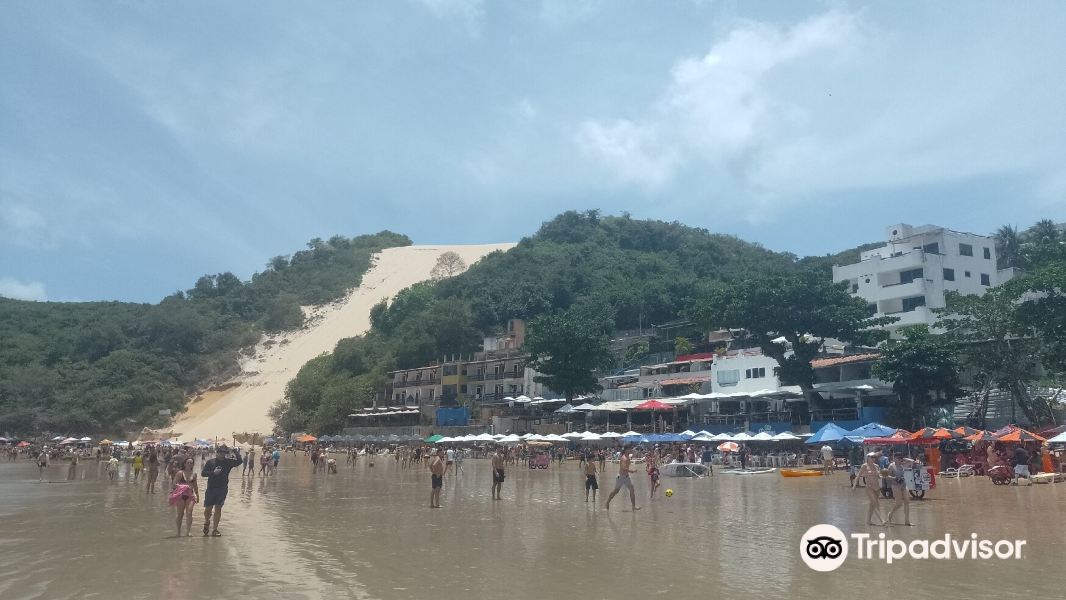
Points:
(243, 405)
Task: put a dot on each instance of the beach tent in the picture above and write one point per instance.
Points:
(631, 433)
(872, 430)
(1020, 435)
(433, 439)
(585, 406)
(688, 433)
(829, 433)
(566, 409)
(1058, 439)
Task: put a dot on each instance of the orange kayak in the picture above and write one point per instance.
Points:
(800, 473)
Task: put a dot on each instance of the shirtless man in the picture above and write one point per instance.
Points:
(871, 473)
(497, 473)
(42, 464)
(623, 479)
(436, 468)
(590, 479)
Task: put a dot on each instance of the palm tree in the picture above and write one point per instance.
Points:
(1008, 247)
(1043, 244)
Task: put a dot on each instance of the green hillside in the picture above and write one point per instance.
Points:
(630, 271)
(112, 366)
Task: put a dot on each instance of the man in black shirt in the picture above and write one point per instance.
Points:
(217, 471)
(1021, 463)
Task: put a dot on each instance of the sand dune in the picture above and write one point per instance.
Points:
(243, 405)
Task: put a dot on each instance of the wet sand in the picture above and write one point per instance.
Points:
(368, 533)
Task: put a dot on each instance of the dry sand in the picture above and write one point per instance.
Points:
(243, 406)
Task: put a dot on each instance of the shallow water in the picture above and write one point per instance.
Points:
(368, 533)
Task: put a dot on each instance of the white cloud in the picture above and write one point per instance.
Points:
(527, 109)
(633, 151)
(20, 290)
(470, 12)
(717, 106)
(24, 226)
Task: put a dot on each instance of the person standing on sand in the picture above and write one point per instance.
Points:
(871, 473)
(899, 487)
(602, 459)
(827, 459)
(590, 480)
(436, 469)
(623, 479)
(153, 471)
(112, 468)
(497, 473)
(138, 465)
(185, 494)
(217, 471)
(653, 471)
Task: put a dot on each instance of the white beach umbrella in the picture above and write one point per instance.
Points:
(484, 437)
(572, 435)
(785, 436)
(630, 433)
(688, 433)
(510, 439)
(762, 436)
(723, 437)
(536, 437)
(588, 436)
(704, 438)
(86, 439)
(705, 432)
(528, 436)
(740, 437)
(551, 437)
(523, 399)
(610, 434)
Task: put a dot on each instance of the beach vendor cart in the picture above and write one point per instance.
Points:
(538, 455)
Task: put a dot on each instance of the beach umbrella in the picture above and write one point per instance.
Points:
(59, 438)
(704, 432)
(572, 435)
(830, 432)
(566, 409)
(703, 438)
(86, 439)
(585, 406)
(1058, 439)
(69, 441)
(433, 438)
(729, 446)
(588, 436)
(630, 433)
(981, 436)
(551, 437)
(931, 433)
(510, 439)
(523, 399)
(872, 430)
(1020, 435)
(654, 405)
(688, 433)
(4, 440)
(740, 437)
(762, 436)
(785, 436)
(610, 434)
(966, 431)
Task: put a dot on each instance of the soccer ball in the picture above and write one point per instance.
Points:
(669, 493)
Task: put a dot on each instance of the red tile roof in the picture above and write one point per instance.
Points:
(820, 363)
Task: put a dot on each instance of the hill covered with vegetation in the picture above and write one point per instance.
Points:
(629, 272)
(112, 366)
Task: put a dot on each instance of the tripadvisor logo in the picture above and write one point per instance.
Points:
(825, 547)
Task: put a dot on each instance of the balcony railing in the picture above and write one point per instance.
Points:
(416, 382)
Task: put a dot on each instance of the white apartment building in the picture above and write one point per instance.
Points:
(744, 371)
(907, 277)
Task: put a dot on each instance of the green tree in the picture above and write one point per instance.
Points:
(994, 344)
(634, 353)
(804, 308)
(682, 345)
(567, 348)
(1008, 247)
(922, 368)
(1040, 309)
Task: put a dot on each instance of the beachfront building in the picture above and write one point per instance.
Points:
(415, 387)
(687, 373)
(908, 276)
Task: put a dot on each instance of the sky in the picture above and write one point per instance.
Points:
(143, 143)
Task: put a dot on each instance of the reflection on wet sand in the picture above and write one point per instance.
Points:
(368, 533)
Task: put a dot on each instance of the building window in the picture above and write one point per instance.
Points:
(988, 254)
(499, 392)
(756, 373)
(910, 304)
(933, 248)
(431, 395)
(854, 288)
(462, 388)
(965, 250)
(909, 276)
(985, 279)
(966, 273)
(729, 377)
(949, 274)
(477, 391)
(416, 395)
(871, 309)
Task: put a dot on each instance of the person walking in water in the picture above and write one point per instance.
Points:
(436, 469)
(497, 474)
(185, 494)
(827, 459)
(653, 471)
(871, 473)
(217, 471)
(590, 479)
(899, 487)
(623, 480)
(249, 464)
(138, 465)
(153, 471)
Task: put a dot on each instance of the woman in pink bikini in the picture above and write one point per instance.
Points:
(185, 495)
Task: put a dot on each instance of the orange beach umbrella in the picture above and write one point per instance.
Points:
(1020, 435)
(306, 438)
